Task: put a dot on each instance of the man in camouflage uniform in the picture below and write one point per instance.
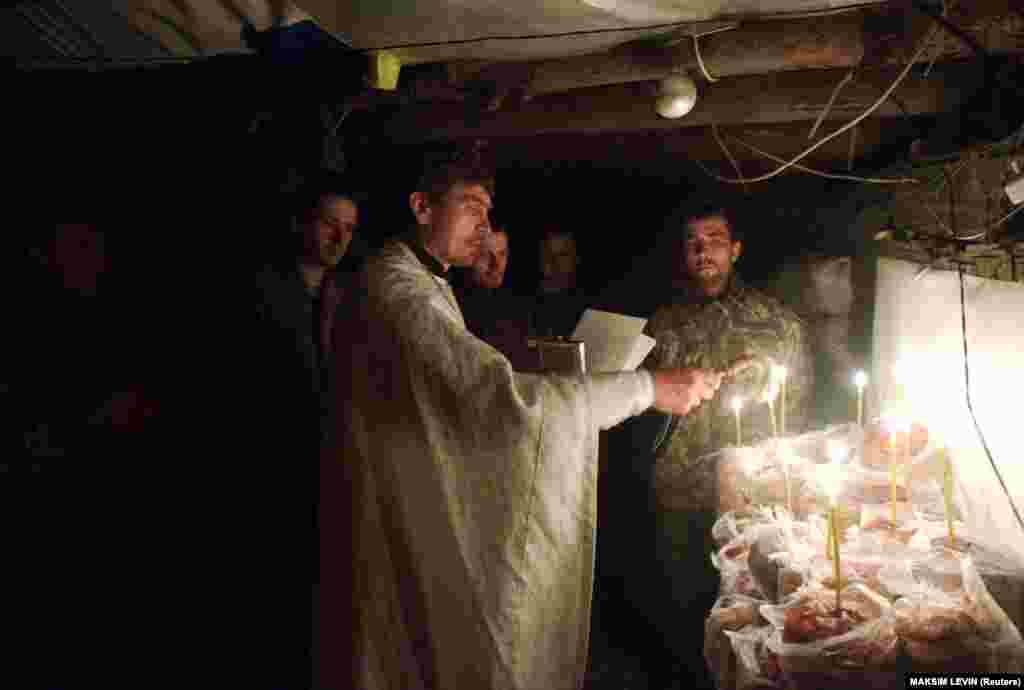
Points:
(710, 320)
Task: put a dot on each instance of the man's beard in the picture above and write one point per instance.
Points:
(710, 287)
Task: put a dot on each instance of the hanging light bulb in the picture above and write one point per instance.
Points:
(677, 94)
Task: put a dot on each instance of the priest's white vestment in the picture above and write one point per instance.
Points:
(473, 493)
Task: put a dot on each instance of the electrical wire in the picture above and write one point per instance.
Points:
(533, 37)
(700, 60)
(970, 405)
(849, 125)
(949, 26)
(728, 154)
(830, 176)
(812, 14)
(831, 101)
(623, 29)
(983, 232)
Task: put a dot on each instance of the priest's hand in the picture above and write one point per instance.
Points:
(678, 391)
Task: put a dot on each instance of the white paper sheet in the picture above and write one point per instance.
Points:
(615, 342)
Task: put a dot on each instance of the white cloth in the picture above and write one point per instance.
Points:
(476, 494)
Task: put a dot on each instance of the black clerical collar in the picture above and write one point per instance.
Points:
(432, 264)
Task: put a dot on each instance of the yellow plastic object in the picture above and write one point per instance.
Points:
(384, 68)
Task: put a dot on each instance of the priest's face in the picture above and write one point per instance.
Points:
(709, 253)
(489, 270)
(459, 224)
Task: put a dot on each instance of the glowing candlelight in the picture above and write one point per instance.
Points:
(830, 476)
(947, 493)
(771, 392)
(899, 375)
(860, 380)
(737, 403)
(779, 375)
(897, 426)
(785, 455)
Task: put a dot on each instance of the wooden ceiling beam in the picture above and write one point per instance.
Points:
(749, 100)
(657, 150)
(879, 37)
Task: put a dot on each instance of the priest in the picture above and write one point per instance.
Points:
(459, 503)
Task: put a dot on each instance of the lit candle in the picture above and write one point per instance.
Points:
(771, 391)
(947, 493)
(779, 374)
(736, 405)
(830, 477)
(860, 380)
(899, 376)
(898, 426)
(785, 455)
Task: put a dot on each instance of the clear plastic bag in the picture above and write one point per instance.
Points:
(954, 631)
(730, 613)
(731, 562)
(941, 567)
(757, 667)
(817, 649)
(775, 470)
(780, 553)
(733, 523)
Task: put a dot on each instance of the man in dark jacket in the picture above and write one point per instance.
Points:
(493, 313)
(560, 300)
(299, 290)
(297, 295)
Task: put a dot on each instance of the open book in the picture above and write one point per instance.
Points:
(615, 342)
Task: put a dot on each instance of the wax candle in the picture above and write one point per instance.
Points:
(835, 561)
(831, 477)
(947, 493)
(900, 427)
(785, 455)
(779, 374)
(736, 405)
(771, 391)
(860, 380)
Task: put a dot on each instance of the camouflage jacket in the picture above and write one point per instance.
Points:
(713, 334)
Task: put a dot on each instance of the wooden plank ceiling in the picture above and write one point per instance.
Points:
(471, 70)
(773, 79)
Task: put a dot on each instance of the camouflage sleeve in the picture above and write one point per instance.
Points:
(658, 358)
(800, 380)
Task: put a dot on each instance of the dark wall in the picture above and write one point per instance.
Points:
(174, 532)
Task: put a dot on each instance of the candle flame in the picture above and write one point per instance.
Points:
(860, 379)
(899, 371)
(779, 372)
(830, 473)
(785, 453)
(836, 451)
(737, 403)
(896, 423)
